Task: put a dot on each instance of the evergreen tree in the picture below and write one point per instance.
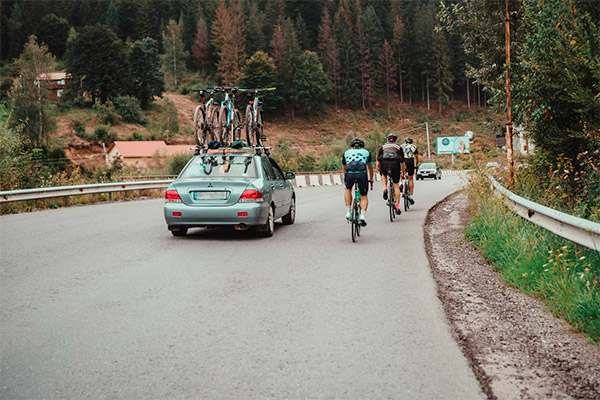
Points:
(425, 60)
(149, 20)
(398, 40)
(30, 105)
(128, 17)
(201, 47)
(16, 32)
(229, 40)
(286, 51)
(350, 89)
(328, 53)
(111, 17)
(255, 30)
(303, 34)
(147, 80)
(370, 37)
(53, 32)
(174, 57)
(387, 70)
(311, 87)
(260, 72)
(444, 78)
(97, 55)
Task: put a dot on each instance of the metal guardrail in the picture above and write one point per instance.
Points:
(78, 190)
(575, 229)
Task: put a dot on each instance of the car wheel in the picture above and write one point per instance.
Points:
(269, 227)
(179, 232)
(290, 217)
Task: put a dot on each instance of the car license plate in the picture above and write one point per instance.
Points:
(222, 195)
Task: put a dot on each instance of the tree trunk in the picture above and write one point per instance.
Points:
(428, 104)
(401, 89)
(468, 95)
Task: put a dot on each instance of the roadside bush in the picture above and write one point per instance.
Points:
(136, 136)
(307, 163)
(104, 135)
(176, 163)
(78, 127)
(331, 162)
(130, 110)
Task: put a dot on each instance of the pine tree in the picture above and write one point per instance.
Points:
(311, 87)
(201, 48)
(350, 88)
(328, 53)
(53, 32)
(229, 40)
(174, 57)
(285, 52)
(149, 20)
(128, 16)
(398, 38)
(387, 71)
(443, 81)
(16, 32)
(255, 30)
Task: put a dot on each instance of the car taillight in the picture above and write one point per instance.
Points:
(172, 195)
(251, 195)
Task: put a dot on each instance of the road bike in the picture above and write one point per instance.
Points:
(354, 220)
(253, 120)
(405, 190)
(391, 196)
(230, 119)
(206, 119)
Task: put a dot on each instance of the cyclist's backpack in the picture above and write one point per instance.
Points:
(214, 144)
(239, 144)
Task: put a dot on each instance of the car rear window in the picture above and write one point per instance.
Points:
(427, 166)
(220, 165)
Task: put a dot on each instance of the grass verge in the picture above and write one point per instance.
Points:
(565, 276)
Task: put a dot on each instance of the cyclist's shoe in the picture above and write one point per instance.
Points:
(385, 193)
(362, 220)
(348, 215)
(410, 200)
(398, 210)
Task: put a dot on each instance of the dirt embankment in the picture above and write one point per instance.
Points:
(517, 349)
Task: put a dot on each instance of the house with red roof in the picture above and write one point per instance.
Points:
(144, 153)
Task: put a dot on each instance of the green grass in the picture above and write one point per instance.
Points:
(562, 274)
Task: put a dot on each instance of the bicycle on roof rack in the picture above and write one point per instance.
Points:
(253, 121)
(230, 120)
(228, 149)
(206, 118)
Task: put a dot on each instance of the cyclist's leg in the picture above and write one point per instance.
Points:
(363, 185)
(348, 182)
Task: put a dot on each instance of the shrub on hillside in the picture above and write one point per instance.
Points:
(130, 110)
(108, 113)
(103, 134)
(78, 127)
(176, 163)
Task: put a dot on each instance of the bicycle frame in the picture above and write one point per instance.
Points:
(355, 213)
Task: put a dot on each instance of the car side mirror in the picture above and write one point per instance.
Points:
(290, 175)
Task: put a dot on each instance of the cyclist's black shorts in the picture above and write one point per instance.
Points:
(393, 166)
(359, 178)
(410, 166)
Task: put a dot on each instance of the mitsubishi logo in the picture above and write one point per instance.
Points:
(210, 185)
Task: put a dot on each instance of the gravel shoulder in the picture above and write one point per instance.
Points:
(516, 348)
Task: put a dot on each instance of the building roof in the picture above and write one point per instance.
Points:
(148, 148)
(53, 76)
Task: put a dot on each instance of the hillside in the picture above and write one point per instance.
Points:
(306, 135)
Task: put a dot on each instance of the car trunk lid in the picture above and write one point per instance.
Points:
(210, 192)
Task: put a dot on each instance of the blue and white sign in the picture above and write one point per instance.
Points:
(452, 145)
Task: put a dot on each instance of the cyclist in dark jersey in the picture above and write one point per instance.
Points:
(355, 162)
(411, 160)
(391, 156)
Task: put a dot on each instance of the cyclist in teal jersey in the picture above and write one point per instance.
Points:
(356, 161)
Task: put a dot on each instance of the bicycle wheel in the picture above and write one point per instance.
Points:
(406, 191)
(258, 129)
(222, 127)
(237, 126)
(353, 220)
(391, 200)
(199, 121)
(248, 126)
(212, 115)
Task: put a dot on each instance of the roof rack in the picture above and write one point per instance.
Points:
(229, 149)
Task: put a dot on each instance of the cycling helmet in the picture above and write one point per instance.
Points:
(357, 141)
(408, 140)
(392, 137)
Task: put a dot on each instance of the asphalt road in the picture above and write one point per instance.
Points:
(103, 302)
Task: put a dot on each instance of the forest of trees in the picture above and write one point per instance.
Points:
(348, 53)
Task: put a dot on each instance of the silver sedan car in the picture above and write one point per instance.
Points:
(240, 189)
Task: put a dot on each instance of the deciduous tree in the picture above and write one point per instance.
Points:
(147, 80)
(174, 57)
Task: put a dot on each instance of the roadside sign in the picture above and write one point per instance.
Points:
(452, 145)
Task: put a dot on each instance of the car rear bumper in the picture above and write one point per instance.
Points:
(427, 174)
(256, 214)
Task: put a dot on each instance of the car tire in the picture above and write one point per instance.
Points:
(290, 217)
(268, 228)
(179, 231)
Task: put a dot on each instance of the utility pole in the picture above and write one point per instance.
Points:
(509, 138)
(428, 149)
